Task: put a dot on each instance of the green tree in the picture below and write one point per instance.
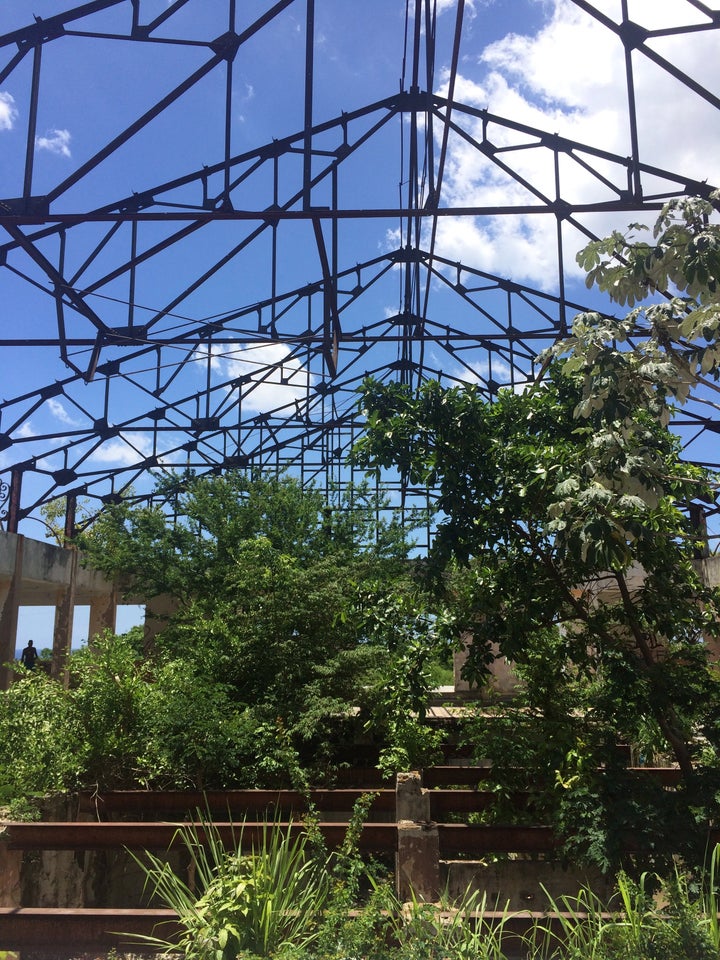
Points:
(290, 608)
(187, 542)
(53, 516)
(110, 687)
(566, 538)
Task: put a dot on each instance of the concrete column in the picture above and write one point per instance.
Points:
(503, 681)
(10, 873)
(158, 610)
(13, 516)
(62, 634)
(103, 613)
(9, 593)
(417, 871)
(709, 569)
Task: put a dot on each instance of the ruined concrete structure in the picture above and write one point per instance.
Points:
(36, 573)
(33, 572)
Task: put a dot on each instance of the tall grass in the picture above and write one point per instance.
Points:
(285, 898)
(468, 929)
(576, 934)
(259, 902)
(635, 925)
(710, 900)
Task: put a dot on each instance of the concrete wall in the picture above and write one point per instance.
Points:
(518, 883)
(46, 568)
(503, 684)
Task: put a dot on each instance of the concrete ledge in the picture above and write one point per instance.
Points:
(46, 568)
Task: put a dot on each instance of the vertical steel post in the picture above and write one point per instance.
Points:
(309, 70)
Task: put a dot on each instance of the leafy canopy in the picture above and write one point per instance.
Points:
(564, 532)
(293, 610)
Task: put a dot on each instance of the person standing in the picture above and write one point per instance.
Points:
(29, 656)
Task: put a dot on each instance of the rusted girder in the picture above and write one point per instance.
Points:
(73, 835)
(458, 838)
(67, 932)
(471, 776)
(227, 803)
(72, 930)
(443, 801)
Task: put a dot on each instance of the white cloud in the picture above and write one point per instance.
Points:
(55, 141)
(60, 413)
(275, 378)
(8, 111)
(476, 372)
(444, 5)
(246, 97)
(9, 457)
(569, 79)
(123, 451)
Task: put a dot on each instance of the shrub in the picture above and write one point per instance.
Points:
(110, 688)
(259, 903)
(43, 745)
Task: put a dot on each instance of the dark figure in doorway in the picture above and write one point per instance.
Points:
(29, 656)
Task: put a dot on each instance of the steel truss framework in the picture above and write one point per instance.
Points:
(222, 316)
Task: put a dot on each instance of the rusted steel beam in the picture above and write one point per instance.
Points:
(444, 801)
(469, 776)
(68, 930)
(475, 840)
(667, 776)
(231, 803)
(456, 838)
(92, 835)
(452, 776)
(369, 778)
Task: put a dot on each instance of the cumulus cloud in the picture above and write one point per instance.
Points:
(123, 451)
(443, 6)
(10, 457)
(272, 377)
(569, 79)
(55, 141)
(60, 413)
(8, 111)
(475, 372)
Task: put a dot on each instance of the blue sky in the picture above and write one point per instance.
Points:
(543, 63)
(36, 624)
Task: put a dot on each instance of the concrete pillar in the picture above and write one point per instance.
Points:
(13, 517)
(709, 569)
(158, 610)
(417, 873)
(64, 615)
(10, 874)
(103, 613)
(502, 682)
(9, 594)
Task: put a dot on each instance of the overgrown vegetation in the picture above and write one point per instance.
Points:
(568, 540)
(568, 545)
(287, 898)
(295, 628)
